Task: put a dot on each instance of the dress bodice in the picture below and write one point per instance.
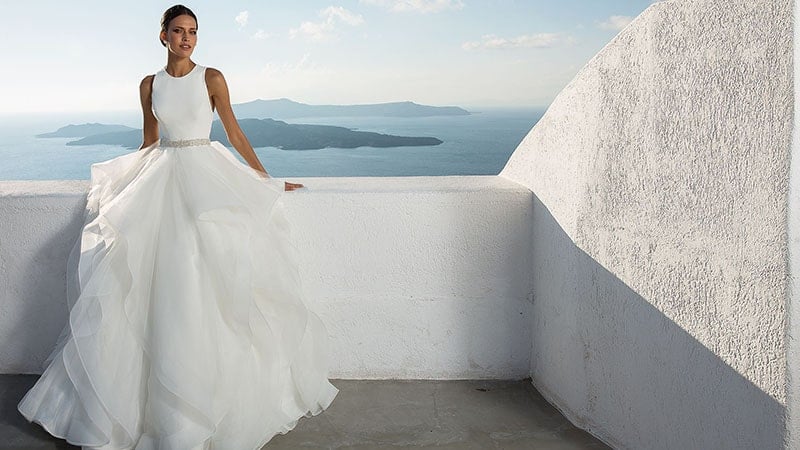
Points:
(181, 105)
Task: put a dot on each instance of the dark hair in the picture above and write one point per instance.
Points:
(171, 13)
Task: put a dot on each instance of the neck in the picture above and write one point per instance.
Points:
(178, 67)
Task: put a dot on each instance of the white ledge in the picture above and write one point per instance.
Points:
(414, 277)
(353, 185)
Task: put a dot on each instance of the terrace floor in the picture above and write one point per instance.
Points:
(375, 414)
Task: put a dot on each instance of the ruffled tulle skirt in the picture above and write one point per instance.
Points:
(188, 326)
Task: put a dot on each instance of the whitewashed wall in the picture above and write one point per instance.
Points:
(660, 230)
(793, 328)
(414, 277)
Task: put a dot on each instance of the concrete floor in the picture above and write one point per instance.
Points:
(375, 414)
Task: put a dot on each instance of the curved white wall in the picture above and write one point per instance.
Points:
(414, 277)
(660, 265)
(793, 329)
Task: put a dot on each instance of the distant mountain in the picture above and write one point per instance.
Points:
(287, 109)
(86, 129)
(275, 133)
(128, 139)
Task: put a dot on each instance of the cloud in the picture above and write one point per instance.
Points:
(492, 42)
(339, 13)
(260, 35)
(286, 67)
(615, 23)
(326, 28)
(420, 6)
(241, 18)
(302, 68)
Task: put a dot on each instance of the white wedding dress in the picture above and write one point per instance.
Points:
(188, 327)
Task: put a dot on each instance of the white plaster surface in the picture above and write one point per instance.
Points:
(793, 326)
(660, 267)
(414, 277)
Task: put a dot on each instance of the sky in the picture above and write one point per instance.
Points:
(90, 55)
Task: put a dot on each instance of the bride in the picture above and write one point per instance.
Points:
(188, 326)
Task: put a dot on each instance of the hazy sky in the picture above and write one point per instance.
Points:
(89, 55)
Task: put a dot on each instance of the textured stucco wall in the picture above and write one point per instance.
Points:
(793, 329)
(414, 277)
(660, 275)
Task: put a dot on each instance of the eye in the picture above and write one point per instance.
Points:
(194, 32)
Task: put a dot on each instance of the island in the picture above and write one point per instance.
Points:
(86, 129)
(260, 133)
(283, 108)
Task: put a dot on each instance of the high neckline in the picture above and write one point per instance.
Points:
(184, 76)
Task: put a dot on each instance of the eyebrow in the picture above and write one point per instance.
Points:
(182, 28)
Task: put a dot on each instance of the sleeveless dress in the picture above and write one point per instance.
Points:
(188, 327)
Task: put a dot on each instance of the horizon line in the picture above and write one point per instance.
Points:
(465, 106)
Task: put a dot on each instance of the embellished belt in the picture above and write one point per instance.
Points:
(185, 142)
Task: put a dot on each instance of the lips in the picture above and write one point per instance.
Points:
(185, 47)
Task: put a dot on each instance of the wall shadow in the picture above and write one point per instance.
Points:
(619, 368)
(42, 312)
(15, 429)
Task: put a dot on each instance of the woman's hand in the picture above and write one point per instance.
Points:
(286, 185)
(292, 186)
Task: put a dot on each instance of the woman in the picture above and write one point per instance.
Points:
(180, 38)
(188, 327)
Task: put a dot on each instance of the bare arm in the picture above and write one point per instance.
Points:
(149, 122)
(220, 98)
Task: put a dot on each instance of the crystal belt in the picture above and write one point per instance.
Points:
(185, 142)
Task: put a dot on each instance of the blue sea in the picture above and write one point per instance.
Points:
(478, 144)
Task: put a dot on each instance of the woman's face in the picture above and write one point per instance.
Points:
(181, 35)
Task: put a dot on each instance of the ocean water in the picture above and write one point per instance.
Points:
(478, 144)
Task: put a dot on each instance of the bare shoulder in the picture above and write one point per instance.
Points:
(147, 83)
(214, 76)
(211, 71)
